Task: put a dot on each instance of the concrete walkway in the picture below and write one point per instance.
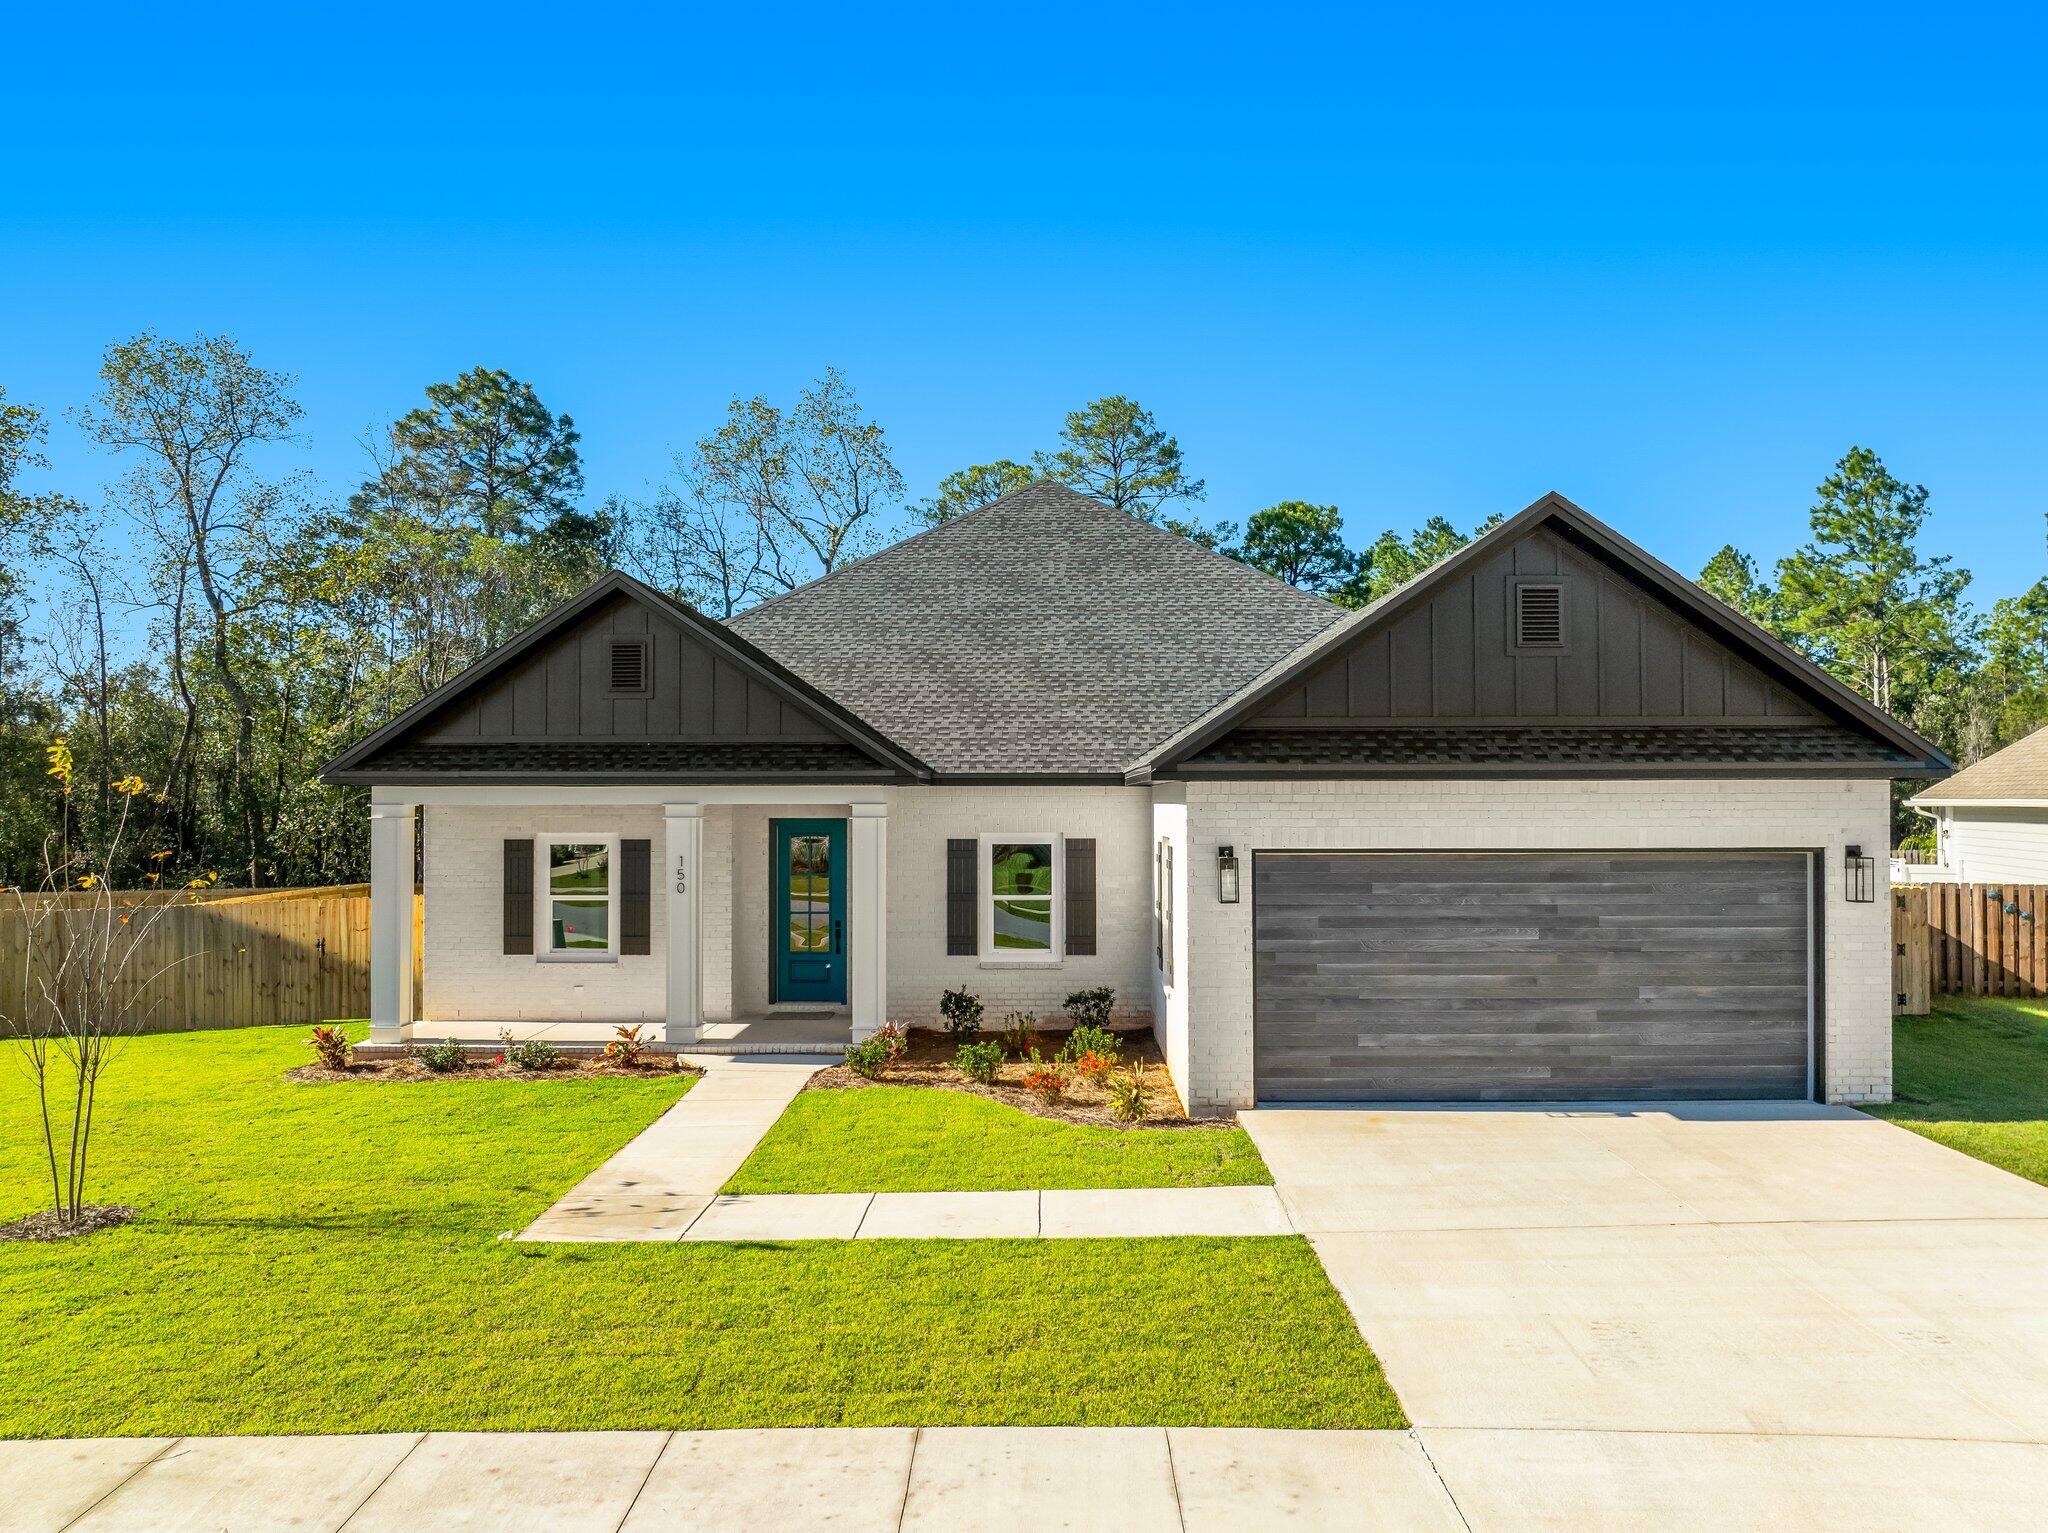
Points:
(664, 1186)
(656, 1186)
(1175, 1480)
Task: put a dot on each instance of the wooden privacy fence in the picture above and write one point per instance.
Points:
(1967, 939)
(235, 960)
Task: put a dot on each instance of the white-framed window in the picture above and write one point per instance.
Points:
(1022, 890)
(576, 891)
(1162, 905)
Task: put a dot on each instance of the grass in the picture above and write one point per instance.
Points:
(325, 1258)
(915, 1139)
(1974, 1076)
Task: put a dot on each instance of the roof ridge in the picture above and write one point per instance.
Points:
(887, 548)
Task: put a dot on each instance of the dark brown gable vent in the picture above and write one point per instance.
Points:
(1539, 615)
(628, 667)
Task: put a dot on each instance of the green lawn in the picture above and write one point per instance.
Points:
(915, 1139)
(1975, 1076)
(326, 1259)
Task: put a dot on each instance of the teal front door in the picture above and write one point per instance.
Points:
(809, 910)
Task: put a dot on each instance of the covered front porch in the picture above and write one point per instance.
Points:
(722, 919)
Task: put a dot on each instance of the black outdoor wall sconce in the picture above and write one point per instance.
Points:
(1859, 876)
(1226, 874)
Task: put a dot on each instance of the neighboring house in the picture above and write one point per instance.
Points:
(1991, 819)
(1547, 822)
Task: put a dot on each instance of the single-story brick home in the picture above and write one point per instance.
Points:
(1548, 822)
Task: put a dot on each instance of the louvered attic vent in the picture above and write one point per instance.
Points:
(629, 667)
(1539, 616)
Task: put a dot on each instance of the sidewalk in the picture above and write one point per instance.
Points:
(962, 1479)
(664, 1186)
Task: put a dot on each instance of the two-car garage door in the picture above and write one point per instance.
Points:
(1515, 976)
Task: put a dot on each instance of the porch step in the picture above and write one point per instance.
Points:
(832, 1048)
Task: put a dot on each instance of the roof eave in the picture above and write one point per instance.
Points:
(1422, 771)
(1716, 614)
(348, 767)
(1938, 800)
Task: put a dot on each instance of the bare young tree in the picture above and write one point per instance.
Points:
(817, 478)
(85, 987)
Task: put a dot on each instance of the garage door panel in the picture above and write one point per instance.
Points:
(1530, 976)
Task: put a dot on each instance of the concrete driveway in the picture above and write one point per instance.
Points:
(1604, 1304)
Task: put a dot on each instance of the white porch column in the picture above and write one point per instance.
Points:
(685, 823)
(391, 868)
(868, 916)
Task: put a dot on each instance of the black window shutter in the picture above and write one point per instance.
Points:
(518, 896)
(1081, 896)
(635, 922)
(962, 936)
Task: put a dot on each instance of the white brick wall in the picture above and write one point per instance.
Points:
(470, 978)
(921, 821)
(1546, 816)
(468, 975)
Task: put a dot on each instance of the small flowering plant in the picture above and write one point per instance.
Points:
(1092, 1066)
(1045, 1079)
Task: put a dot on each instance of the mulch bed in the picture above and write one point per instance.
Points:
(49, 1225)
(397, 1071)
(928, 1061)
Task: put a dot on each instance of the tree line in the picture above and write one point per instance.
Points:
(219, 625)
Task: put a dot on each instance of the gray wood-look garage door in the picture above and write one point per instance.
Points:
(1575, 977)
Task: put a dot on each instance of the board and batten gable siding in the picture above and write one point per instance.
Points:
(1626, 656)
(562, 691)
(1534, 815)
(1986, 845)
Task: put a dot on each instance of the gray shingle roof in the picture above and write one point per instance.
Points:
(1541, 746)
(1045, 633)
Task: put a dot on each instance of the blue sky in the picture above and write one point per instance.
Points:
(1670, 265)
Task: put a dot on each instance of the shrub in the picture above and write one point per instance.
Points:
(443, 1058)
(1088, 1039)
(624, 1049)
(529, 1053)
(894, 1039)
(1127, 1093)
(979, 1061)
(1017, 1038)
(962, 1013)
(1045, 1079)
(1091, 1008)
(1092, 1066)
(331, 1047)
(868, 1057)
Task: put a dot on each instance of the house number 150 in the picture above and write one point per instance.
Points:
(682, 876)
